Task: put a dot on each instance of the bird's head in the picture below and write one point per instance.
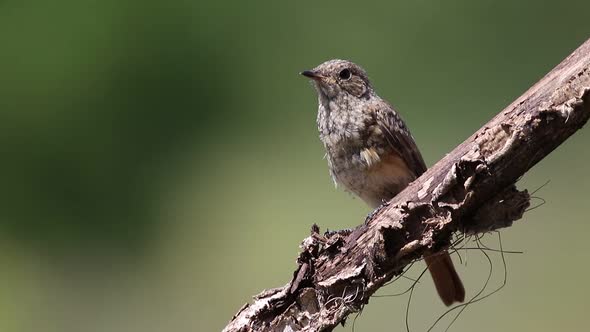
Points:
(336, 77)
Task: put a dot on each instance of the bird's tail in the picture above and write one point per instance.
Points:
(445, 277)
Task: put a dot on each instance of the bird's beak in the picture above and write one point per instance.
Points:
(312, 74)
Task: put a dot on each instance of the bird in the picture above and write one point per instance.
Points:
(370, 150)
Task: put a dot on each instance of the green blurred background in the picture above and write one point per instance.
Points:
(160, 161)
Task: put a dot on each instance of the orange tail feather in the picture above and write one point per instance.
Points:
(445, 277)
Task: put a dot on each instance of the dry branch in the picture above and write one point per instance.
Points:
(470, 190)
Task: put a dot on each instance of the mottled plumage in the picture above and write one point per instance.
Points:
(370, 151)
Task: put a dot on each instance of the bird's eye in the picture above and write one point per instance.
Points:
(345, 74)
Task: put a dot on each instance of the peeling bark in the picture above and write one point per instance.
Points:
(470, 190)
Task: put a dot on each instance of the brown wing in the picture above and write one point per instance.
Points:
(399, 138)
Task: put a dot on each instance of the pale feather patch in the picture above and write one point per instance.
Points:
(370, 156)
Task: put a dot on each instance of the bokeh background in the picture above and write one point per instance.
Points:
(160, 162)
